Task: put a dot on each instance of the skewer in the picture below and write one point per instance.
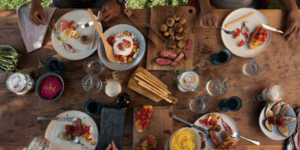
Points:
(153, 91)
(154, 82)
(151, 83)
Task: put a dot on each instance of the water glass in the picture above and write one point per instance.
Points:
(91, 84)
(233, 104)
(39, 143)
(223, 56)
(218, 86)
(255, 67)
(93, 66)
(200, 105)
(113, 88)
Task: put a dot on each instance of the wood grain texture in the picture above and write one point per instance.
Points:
(18, 124)
(160, 126)
(158, 14)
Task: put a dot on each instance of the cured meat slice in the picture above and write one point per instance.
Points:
(174, 63)
(163, 61)
(166, 54)
(187, 48)
(180, 56)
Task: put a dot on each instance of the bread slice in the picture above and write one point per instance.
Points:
(228, 144)
(145, 143)
(258, 42)
(138, 120)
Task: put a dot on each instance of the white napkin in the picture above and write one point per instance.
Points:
(33, 36)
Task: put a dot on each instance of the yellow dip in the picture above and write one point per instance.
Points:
(184, 140)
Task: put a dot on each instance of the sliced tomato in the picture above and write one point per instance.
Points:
(64, 24)
(127, 44)
(71, 23)
(251, 33)
(238, 30)
(242, 42)
(203, 145)
(149, 140)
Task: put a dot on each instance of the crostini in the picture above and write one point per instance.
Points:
(142, 118)
(150, 143)
(259, 37)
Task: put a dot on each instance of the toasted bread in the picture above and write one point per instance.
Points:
(138, 120)
(145, 143)
(228, 144)
(258, 38)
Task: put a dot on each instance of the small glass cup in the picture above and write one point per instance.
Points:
(234, 103)
(255, 67)
(218, 86)
(39, 143)
(113, 88)
(91, 84)
(93, 66)
(200, 104)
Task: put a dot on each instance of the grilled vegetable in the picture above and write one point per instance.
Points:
(8, 59)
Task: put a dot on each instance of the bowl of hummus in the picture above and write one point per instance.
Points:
(185, 139)
(49, 87)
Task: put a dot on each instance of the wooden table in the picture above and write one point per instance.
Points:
(18, 123)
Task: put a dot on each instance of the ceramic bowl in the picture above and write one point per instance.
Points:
(41, 79)
(198, 139)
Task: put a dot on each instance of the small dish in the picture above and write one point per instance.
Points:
(41, 79)
(7, 46)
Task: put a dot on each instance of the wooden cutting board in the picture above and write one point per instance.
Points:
(133, 84)
(161, 126)
(158, 16)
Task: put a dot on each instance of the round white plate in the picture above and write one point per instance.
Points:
(276, 135)
(198, 140)
(121, 29)
(7, 46)
(85, 51)
(208, 141)
(57, 127)
(252, 22)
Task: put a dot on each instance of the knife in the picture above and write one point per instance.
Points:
(68, 119)
(272, 29)
(190, 124)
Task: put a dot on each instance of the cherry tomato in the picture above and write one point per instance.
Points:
(242, 42)
(238, 30)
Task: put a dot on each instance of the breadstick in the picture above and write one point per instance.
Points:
(151, 90)
(140, 80)
(151, 83)
(238, 20)
(154, 82)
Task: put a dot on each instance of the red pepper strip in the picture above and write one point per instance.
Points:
(227, 127)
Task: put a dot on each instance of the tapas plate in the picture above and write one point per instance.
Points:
(194, 135)
(208, 141)
(276, 135)
(57, 127)
(252, 22)
(121, 28)
(85, 50)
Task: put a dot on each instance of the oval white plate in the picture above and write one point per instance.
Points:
(85, 51)
(276, 135)
(253, 21)
(208, 142)
(121, 28)
(57, 127)
(198, 140)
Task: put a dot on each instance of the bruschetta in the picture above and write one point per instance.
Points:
(142, 118)
(228, 144)
(259, 37)
(149, 143)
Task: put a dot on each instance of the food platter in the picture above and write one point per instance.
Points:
(252, 22)
(208, 141)
(121, 28)
(85, 50)
(57, 127)
(276, 135)
(195, 135)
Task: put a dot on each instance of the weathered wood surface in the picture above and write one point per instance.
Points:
(18, 113)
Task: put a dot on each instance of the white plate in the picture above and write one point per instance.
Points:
(253, 21)
(276, 135)
(57, 127)
(121, 28)
(84, 49)
(208, 142)
(198, 140)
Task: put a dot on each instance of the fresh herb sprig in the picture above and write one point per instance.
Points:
(24, 72)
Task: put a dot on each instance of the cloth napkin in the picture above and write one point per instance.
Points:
(111, 127)
(33, 36)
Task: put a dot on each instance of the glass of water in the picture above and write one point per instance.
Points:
(93, 66)
(91, 84)
(218, 86)
(39, 143)
(254, 67)
(200, 104)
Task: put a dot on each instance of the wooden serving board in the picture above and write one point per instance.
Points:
(158, 15)
(161, 126)
(133, 84)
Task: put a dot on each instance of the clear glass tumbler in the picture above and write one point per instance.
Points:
(200, 104)
(93, 66)
(255, 67)
(218, 86)
(39, 143)
(91, 84)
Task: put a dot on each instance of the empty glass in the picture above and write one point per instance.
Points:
(93, 66)
(200, 105)
(218, 86)
(254, 67)
(91, 84)
(39, 143)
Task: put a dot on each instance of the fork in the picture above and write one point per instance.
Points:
(77, 141)
(226, 31)
(234, 135)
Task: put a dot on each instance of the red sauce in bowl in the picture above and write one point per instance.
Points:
(50, 87)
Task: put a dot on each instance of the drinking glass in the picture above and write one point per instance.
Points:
(113, 88)
(223, 56)
(93, 66)
(274, 94)
(39, 143)
(200, 104)
(255, 67)
(234, 103)
(218, 86)
(91, 84)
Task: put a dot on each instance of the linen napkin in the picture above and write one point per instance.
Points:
(33, 36)
(111, 127)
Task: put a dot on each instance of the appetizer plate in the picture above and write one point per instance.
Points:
(7, 46)
(57, 127)
(198, 140)
(208, 141)
(276, 135)
(257, 19)
(84, 49)
(121, 29)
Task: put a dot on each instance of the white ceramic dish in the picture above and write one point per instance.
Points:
(198, 140)
(84, 49)
(257, 19)
(276, 135)
(7, 46)
(57, 127)
(208, 142)
(121, 29)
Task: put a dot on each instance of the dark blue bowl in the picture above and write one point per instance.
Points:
(41, 79)
(92, 107)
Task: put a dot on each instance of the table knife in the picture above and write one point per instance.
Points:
(272, 29)
(190, 124)
(68, 119)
